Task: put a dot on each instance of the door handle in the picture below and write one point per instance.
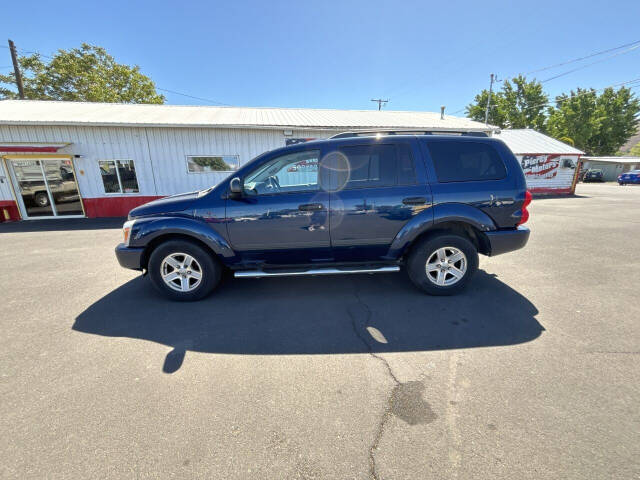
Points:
(310, 207)
(414, 201)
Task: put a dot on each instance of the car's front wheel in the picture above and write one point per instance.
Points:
(442, 265)
(184, 271)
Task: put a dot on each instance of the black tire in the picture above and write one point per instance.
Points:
(41, 199)
(422, 252)
(211, 270)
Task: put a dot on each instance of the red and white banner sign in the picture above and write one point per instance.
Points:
(540, 166)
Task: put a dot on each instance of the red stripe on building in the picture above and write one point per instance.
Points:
(9, 208)
(550, 191)
(113, 206)
(14, 149)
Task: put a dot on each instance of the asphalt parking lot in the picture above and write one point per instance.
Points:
(533, 373)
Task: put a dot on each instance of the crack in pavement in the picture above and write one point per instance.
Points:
(373, 470)
(406, 400)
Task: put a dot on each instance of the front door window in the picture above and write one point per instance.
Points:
(294, 172)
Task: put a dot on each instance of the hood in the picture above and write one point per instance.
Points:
(170, 204)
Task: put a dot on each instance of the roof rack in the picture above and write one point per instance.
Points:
(367, 133)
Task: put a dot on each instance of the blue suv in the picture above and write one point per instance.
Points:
(357, 202)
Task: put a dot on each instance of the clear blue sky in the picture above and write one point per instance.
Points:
(327, 54)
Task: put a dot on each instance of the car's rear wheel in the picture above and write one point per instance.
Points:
(442, 265)
(183, 271)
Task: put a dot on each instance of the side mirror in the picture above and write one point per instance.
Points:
(235, 186)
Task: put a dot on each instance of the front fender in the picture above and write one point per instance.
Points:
(438, 215)
(145, 230)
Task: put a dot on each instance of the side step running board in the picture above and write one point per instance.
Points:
(314, 271)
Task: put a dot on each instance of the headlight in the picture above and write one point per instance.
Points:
(126, 231)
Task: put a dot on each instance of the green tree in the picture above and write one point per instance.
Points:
(519, 104)
(87, 73)
(598, 124)
(635, 150)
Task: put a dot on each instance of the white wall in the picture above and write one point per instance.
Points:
(169, 148)
(159, 153)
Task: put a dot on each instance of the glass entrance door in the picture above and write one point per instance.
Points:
(47, 188)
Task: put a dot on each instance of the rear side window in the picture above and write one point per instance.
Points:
(466, 162)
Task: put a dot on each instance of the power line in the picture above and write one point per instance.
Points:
(35, 53)
(592, 63)
(157, 88)
(631, 85)
(567, 62)
(634, 84)
(191, 96)
(550, 67)
(620, 84)
(632, 46)
(29, 51)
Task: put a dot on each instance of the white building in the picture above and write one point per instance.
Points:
(62, 159)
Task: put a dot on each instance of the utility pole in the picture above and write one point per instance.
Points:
(16, 69)
(380, 102)
(486, 112)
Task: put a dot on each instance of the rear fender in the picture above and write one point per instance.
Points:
(438, 215)
(461, 212)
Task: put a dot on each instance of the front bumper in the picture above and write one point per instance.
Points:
(129, 257)
(503, 241)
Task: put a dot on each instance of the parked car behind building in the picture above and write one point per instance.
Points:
(632, 177)
(593, 175)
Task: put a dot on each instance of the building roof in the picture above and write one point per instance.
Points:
(523, 141)
(38, 112)
(630, 160)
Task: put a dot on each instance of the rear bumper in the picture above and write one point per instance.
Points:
(129, 257)
(503, 241)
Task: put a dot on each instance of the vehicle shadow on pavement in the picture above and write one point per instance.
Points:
(316, 315)
(63, 225)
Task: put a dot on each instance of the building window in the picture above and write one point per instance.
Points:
(119, 176)
(212, 163)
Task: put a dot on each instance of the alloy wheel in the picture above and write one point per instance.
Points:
(181, 272)
(446, 266)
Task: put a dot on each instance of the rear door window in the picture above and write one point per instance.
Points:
(466, 162)
(406, 168)
(363, 166)
(371, 165)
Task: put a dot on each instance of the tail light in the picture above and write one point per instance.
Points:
(525, 213)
